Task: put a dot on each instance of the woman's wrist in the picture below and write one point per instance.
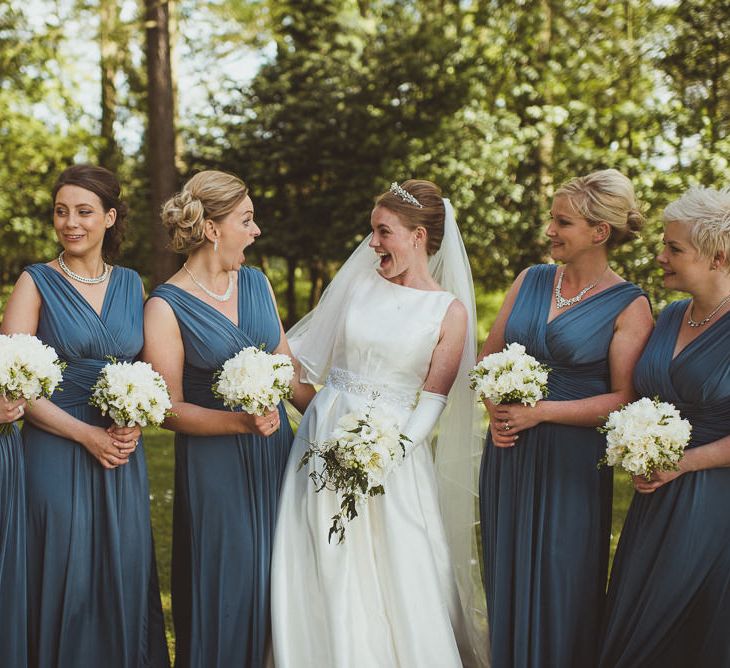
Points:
(689, 462)
(544, 410)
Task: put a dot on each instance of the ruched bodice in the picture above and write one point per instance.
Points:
(93, 596)
(545, 507)
(84, 339)
(210, 338)
(697, 380)
(575, 343)
(669, 595)
(226, 491)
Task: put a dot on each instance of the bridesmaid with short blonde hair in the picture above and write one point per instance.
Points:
(669, 595)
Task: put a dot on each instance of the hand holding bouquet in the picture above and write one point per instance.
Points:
(356, 459)
(28, 369)
(132, 394)
(509, 377)
(255, 380)
(645, 436)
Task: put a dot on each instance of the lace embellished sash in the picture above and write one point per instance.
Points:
(346, 381)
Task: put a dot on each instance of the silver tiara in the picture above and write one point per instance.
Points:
(404, 195)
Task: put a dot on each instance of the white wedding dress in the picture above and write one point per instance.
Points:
(387, 596)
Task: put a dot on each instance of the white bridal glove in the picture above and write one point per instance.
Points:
(424, 418)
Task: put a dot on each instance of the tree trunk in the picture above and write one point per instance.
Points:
(109, 47)
(546, 144)
(291, 293)
(316, 276)
(160, 133)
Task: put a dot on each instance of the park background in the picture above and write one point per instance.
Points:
(320, 104)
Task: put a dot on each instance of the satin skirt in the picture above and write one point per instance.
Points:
(387, 595)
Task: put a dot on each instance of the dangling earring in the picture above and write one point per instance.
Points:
(215, 246)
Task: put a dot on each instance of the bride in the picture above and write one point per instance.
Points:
(395, 328)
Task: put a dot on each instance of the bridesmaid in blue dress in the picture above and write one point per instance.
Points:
(93, 598)
(228, 465)
(669, 595)
(545, 507)
(13, 639)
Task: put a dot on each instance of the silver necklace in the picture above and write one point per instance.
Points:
(704, 321)
(83, 279)
(219, 298)
(562, 302)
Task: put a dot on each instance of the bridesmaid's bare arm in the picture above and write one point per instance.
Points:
(709, 456)
(495, 343)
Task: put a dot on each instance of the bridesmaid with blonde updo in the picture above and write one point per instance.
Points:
(545, 505)
(228, 465)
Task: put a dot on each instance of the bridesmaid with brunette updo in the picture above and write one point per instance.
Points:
(228, 465)
(93, 598)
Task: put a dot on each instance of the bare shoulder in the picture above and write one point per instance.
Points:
(456, 313)
(26, 284)
(158, 310)
(637, 315)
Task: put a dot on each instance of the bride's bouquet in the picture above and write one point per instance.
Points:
(28, 369)
(131, 393)
(254, 380)
(509, 377)
(645, 436)
(356, 459)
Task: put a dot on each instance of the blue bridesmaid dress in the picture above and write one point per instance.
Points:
(226, 492)
(93, 597)
(545, 506)
(669, 596)
(13, 637)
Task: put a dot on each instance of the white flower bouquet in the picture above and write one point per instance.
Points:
(28, 369)
(131, 393)
(254, 380)
(645, 436)
(509, 377)
(356, 460)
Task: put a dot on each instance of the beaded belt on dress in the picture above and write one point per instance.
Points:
(344, 380)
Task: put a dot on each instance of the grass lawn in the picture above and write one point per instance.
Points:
(161, 460)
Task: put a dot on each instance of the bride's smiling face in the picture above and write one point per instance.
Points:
(392, 241)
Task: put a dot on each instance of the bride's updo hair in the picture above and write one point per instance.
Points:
(606, 196)
(209, 195)
(430, 215)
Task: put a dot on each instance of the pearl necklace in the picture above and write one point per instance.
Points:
(220, 298)
(562, 302)
(83, 279)
(704, 321)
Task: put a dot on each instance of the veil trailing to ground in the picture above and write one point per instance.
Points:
(459, 440)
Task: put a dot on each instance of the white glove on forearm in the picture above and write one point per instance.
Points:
(424, 418)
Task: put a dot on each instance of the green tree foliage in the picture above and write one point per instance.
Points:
(34, 146)
(498, 102)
